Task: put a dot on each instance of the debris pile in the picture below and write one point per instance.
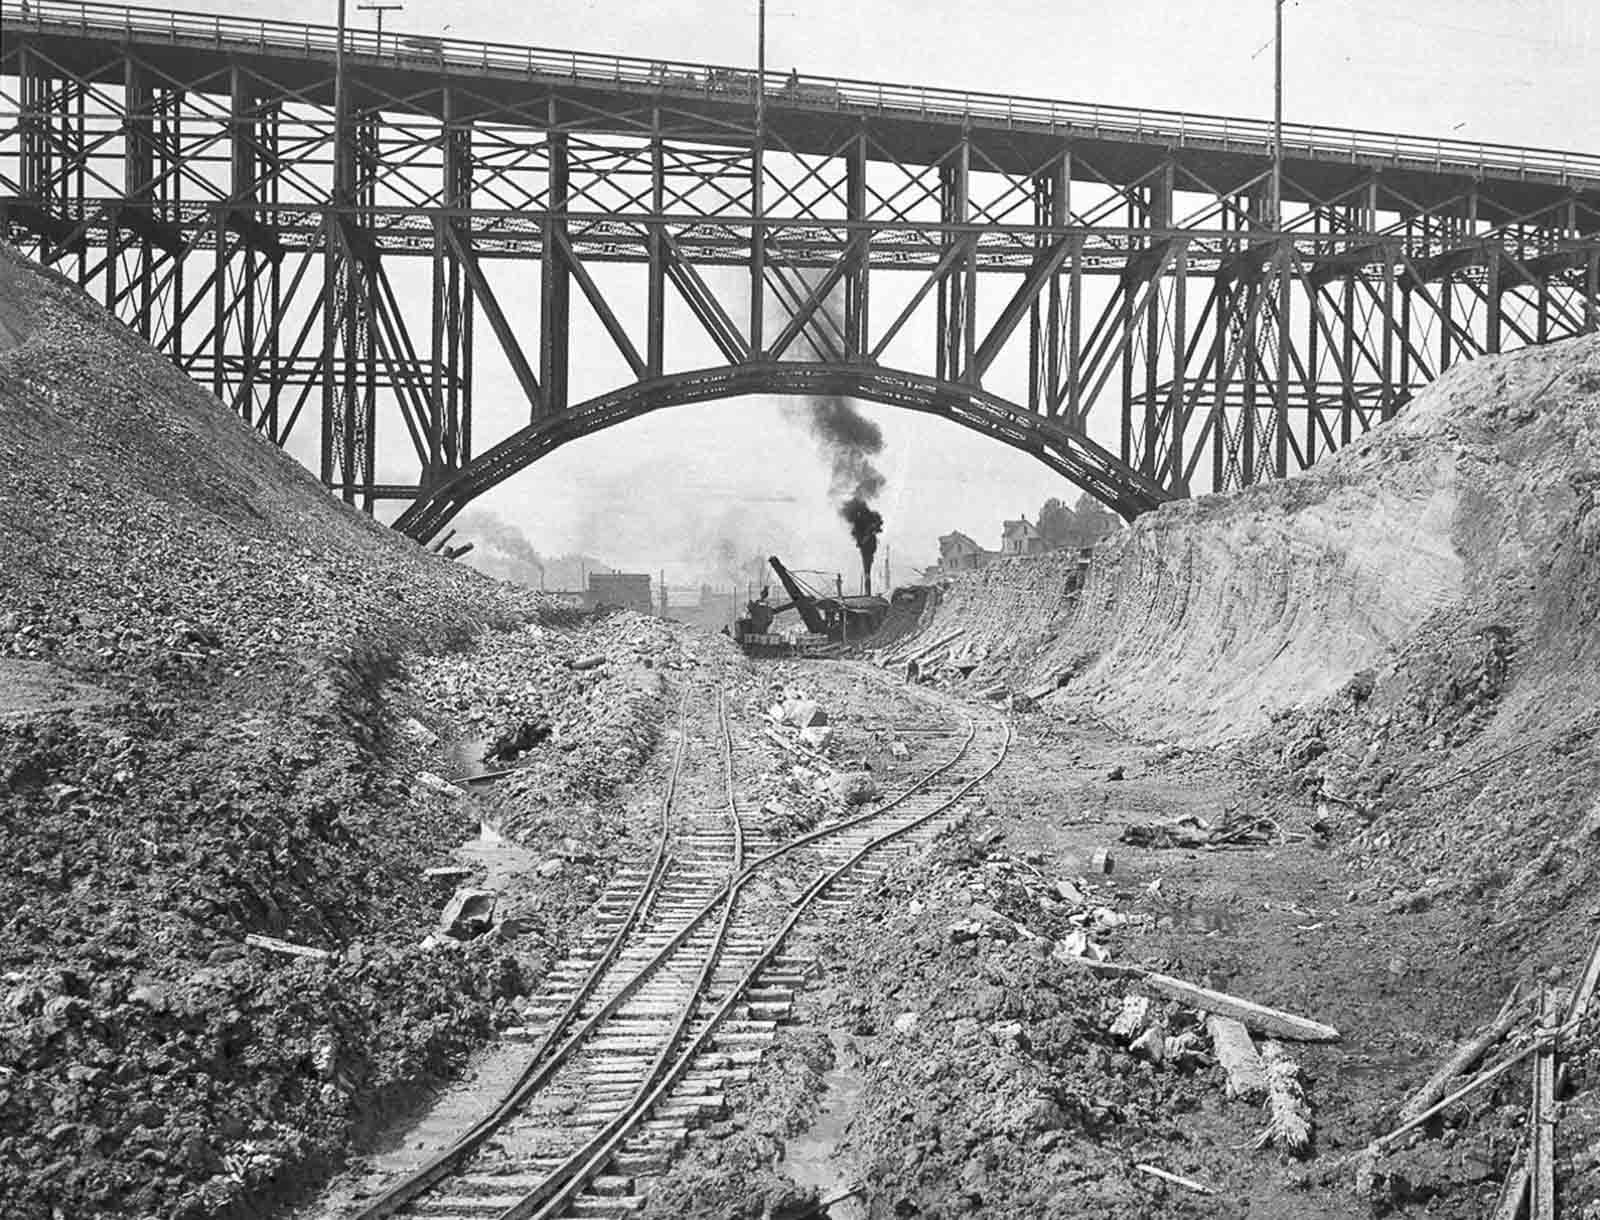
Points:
(810, 783)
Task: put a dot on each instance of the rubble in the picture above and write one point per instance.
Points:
(1189, 831)
(273, 678)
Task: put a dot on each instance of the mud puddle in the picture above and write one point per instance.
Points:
(815, 1158)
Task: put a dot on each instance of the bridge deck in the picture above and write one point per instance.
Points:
(910, 123)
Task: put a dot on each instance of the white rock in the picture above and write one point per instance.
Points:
(817, 737)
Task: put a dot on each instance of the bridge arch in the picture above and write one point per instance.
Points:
(1064, 449)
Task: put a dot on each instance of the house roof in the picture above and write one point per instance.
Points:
(956, 538)
(1019, 527)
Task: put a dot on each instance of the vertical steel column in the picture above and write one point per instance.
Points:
(1158, 218)
(138, 164)
(1347, 335)
(1492, 294)
(1180, 352)
(555, 299)
(656, 307)
(451, 302)
(35, 143)
(969, 277)
(1076, 408)
(1591, 289)
(758, 216)
(1050, 208)
(241, 191)
(858, 252)
(955, 328)
(1283, 271)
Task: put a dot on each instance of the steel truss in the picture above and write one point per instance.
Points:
(1122, 306)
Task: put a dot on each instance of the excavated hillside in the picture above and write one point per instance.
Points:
(220, 695)
(1409, 628)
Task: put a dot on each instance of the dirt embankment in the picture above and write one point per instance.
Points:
(1410, 625)
(204, 664)
(1402, 645)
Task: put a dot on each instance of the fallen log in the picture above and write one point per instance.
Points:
(1464, 1058)
(1255, 1016)
(1238, 1057)
(288, 948)
(943, 640)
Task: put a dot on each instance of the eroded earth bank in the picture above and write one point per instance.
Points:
(1327, 745)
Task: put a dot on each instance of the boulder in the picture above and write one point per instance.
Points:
(853, 787)
(806, 714)
(469, 913)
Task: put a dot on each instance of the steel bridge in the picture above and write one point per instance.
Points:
(320, 234)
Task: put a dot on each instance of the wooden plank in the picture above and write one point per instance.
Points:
(1542, 1154)
(1238, 1057)
(1176, 1179)
(1487, 1076)
(273, 945)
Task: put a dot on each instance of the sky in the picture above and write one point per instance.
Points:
(654, 493)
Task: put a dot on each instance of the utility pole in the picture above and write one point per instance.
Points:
(380, 9)
(1277, 115)
(339, 158)
(761, 64)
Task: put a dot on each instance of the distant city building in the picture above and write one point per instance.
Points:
(958, 553)
(1021, 538)
(619, 591)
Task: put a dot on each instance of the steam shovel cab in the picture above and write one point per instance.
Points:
(830, 622)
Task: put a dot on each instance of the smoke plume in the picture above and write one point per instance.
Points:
(503, 549)
(866, 523)
(849, 441)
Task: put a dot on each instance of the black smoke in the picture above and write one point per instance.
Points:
(849, 441)
(866, 523)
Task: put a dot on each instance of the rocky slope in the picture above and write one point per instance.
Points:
(204, 665)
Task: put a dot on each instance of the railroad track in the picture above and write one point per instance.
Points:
(673, 995)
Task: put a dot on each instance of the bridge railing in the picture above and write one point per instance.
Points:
(1166, 126)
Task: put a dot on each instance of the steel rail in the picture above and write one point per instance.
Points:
(664, 1062)
(544, 1062)
(551, 1198)
(726, 82)
(541, 1062)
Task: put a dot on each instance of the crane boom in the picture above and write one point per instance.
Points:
(804, 604)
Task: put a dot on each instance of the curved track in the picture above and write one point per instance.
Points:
(686, 983)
